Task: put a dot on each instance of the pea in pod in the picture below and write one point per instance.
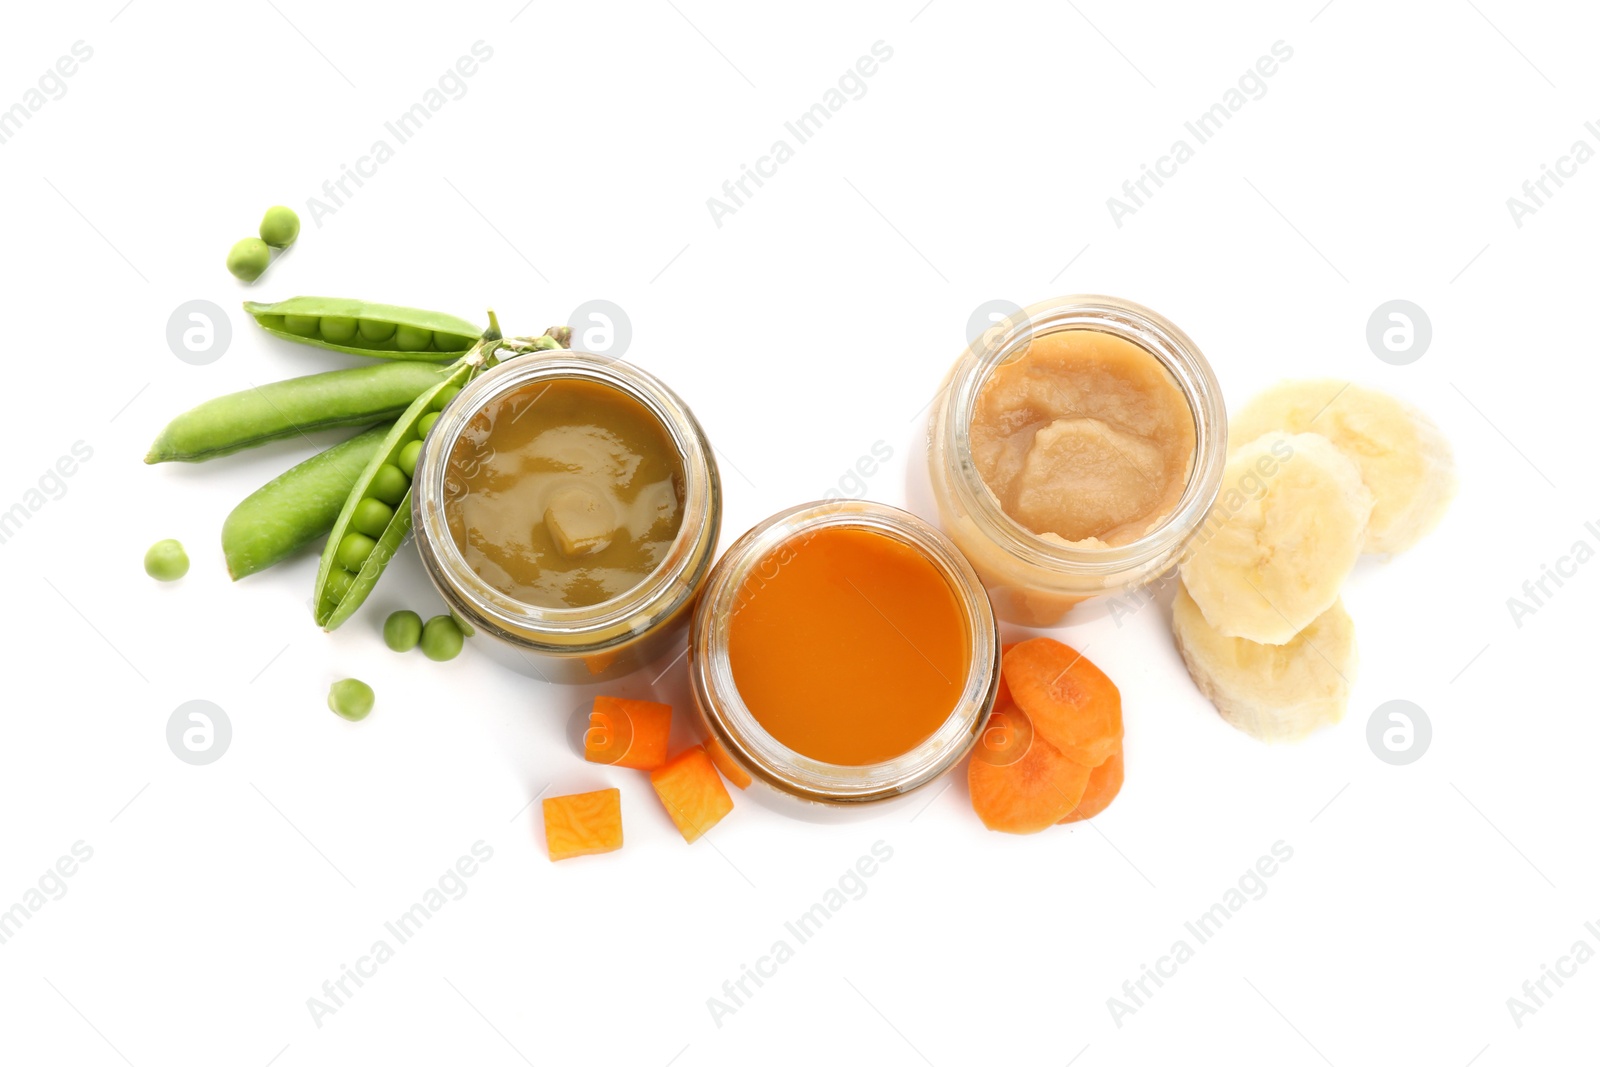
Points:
(297, 507)
(362, 329)
(358, 548)
(354, 397)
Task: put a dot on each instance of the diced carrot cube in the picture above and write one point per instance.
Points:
(730, 770)
(628, 733)
(692, 792)
(583, 824)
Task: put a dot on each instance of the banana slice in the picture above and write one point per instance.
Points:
(1405, 460)
(1271, 692)
(1284, 533)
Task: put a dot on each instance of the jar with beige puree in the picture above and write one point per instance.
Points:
(567, 507)
(1073, 452)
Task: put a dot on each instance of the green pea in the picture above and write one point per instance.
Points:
(409, 456)
(402, 630)
(425, 423)
(441, 639)
(338, 329)
(248, 259)
(350, 698)
(339, 582)
(303, 325)
(280, 226)
(390, 484)
(412, 339)
(354, 549)
(376, 330)
(445, 395)
(166, 561)
(447, 342)
(371, 517)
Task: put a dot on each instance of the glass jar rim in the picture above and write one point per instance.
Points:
(674, 579)
(1170, 346)
(733, 725)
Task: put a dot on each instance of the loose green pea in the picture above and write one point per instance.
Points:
(350, 698)
(354, 550)
(166, 561)
(409, 456)
(371, 517)
(376, 330)
(441, 639)
(280, 226)
(425, 423)
(447, 394)
(248, 259)
(303, 325)
(412, 339)
(390, 484)
(339, 582)
(338, 330)
(402, 630)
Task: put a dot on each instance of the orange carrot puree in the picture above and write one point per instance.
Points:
(848, 646)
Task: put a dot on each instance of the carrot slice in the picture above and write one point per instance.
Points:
(730, 770)
(1105, 781)
(693, 792)
(1020, 782)
(1002, 693)
(583, 824)
(1072, 703)
(628, 733)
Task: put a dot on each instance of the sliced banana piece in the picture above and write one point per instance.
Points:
(1285, 531)
(1404, 458)
(1271, 692)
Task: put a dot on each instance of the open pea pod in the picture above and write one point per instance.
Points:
(377, 515)
(383, 331)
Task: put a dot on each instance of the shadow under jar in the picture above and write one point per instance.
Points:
(843, 655)
(1074, 451)
(543, 506)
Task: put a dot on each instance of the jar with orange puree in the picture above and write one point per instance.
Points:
(843, 653)
(1074, 452)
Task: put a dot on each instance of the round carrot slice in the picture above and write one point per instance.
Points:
(1020, 782)
(1073, 704)
(1105, 782)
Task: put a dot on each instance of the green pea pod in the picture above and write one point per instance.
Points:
(362, 329)
(352, 560)
(297, 406)
(297, 507)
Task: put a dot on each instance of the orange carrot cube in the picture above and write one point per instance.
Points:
(628, 733)
(693, 792)
(730, 770)
(583, 824)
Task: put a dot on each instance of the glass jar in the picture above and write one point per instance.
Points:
(573, 646)
(782, 777)
(1033, 580)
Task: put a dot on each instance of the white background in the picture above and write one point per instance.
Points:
(814, 322)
